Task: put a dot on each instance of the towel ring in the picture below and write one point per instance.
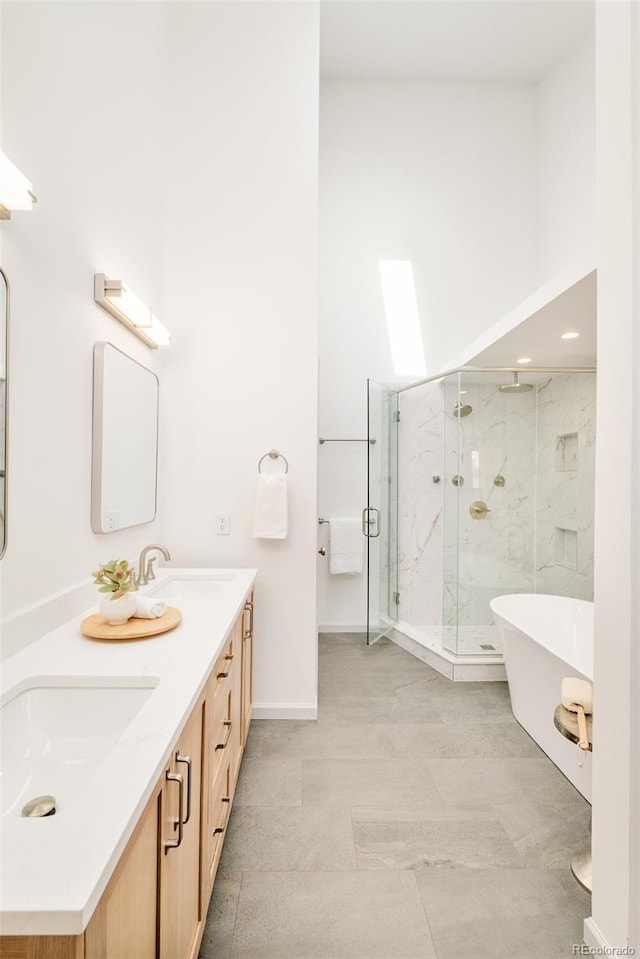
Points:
(274, 455)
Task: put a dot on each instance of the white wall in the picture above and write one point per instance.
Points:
(241, 300)
(442, 174)
(488, 188)
(88, 134)
(566, 209)
(616, 481)
(173, 145)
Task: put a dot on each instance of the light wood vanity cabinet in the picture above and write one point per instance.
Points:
(156, 901)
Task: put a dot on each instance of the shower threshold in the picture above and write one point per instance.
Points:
(426, 645)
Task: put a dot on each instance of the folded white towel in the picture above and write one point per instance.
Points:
(271, 519)
(149, 608)
(346, 545)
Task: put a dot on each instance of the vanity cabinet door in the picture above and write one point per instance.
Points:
(247, 668)
(179, 848)
(237, 739)
(124, 923)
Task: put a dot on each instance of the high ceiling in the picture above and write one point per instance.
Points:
(499, 40)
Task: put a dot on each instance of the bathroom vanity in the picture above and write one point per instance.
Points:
(126, 866)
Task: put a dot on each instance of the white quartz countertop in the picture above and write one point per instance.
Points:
(54, 870)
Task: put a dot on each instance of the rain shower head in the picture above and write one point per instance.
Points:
(462, 409)
(516, 386)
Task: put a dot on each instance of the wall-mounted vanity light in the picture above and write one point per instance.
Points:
(16, 192)
(118, 299)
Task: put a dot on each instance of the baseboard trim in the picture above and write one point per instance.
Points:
(595, 940)
(332, 628)
(285, 711)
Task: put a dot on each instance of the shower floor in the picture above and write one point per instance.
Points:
(474, 660)
(470, 641)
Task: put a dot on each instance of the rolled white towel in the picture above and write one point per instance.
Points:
(576, 692)
(149, 608)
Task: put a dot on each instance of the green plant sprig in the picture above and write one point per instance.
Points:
(115, 577)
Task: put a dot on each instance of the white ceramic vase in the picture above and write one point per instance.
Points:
(118, 611)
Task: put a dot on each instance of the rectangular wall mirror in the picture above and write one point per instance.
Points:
(125, 441)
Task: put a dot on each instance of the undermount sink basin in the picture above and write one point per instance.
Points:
(55, 735)
(192, 587)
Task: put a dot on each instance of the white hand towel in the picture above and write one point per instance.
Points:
(271, 519)
(149, 608)
(346, 546)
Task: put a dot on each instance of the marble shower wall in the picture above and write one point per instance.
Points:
(566, 485)
(495, 555)
(538, 535)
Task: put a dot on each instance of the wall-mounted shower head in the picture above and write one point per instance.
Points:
(516, 386)
(462, 409)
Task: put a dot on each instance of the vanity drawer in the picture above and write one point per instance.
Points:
(222, 732)
(219, 801)
(225, 663)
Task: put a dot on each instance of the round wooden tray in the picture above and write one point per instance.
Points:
(97, 627)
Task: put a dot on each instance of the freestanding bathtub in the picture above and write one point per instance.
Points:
(544, 639)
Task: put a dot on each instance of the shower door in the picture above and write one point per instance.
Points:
(380, 517)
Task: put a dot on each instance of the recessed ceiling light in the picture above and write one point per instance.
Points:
(571, 335)
(524, 359)
(463, 391)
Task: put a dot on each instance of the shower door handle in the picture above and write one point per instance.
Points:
(369, 523)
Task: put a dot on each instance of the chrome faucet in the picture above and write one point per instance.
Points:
(145, 573)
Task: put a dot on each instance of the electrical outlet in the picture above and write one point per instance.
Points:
(111, 520)
(222, 524)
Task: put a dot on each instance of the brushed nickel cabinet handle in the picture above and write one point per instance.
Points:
(249, 608)
(224, 745)
(224, 825)
(174, 843)
(187, 761)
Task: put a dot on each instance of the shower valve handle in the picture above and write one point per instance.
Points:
(479, 509)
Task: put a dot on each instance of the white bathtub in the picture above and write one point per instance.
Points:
(544, 639)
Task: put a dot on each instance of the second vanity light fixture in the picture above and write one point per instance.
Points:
(117, 298)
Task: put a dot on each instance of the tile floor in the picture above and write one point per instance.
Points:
(415, 819)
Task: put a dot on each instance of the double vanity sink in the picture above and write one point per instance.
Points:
(91, 723)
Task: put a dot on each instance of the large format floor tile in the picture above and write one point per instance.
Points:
(325, 915)
(426, 837)
(534, 781)
(350, 782)
(414, 819)
(269, 782)
(503, 913)
(289, 838)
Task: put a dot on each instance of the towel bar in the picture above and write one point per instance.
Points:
(324, 439)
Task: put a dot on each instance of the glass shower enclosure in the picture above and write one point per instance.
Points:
(480, 483)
